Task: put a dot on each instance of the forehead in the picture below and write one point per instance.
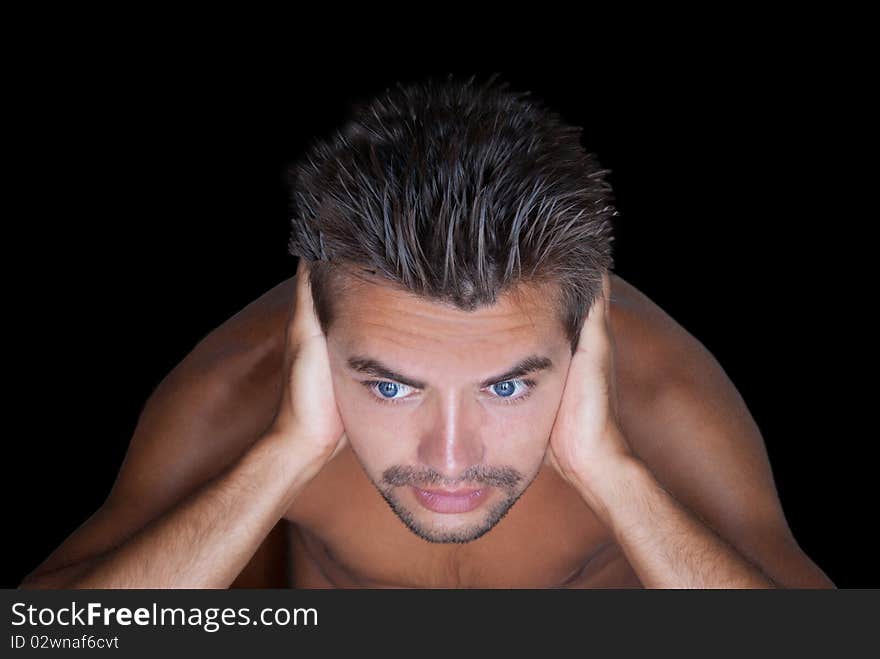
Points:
(371, 313)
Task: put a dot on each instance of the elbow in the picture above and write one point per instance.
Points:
(59, 579)
(38, 582)
(814, 581)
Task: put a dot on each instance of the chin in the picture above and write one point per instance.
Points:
(449, 528)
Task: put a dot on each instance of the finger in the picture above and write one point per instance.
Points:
(594, 326)
(305, 320)
(610, 345)
(606, 292)
(602, 302)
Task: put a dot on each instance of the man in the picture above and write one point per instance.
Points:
(454, 390)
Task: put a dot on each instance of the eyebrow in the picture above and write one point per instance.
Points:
(370, 366)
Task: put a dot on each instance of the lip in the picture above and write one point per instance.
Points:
(451, 502)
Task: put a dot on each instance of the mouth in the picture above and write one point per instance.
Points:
(451, 501)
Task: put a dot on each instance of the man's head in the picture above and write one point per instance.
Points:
(457, 235)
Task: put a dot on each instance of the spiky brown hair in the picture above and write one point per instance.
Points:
(457, 191)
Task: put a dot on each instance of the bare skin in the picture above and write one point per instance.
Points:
(681, 414)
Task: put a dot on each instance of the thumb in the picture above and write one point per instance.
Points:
(304, 324)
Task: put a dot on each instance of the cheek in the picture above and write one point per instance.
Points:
(528, 423)
(352, 401)
(520, 438)
(361, 415)
(519, 442)
(377, 436)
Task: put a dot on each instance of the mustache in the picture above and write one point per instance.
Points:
(503, 477)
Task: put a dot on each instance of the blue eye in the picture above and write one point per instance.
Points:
(385, 391)
(388, 389)
(507, 390)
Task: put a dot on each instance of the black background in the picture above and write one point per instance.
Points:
(154, 209)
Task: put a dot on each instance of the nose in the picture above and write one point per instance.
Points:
(452, 442)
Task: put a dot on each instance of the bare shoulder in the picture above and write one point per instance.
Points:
(213, 404)
(688, 422)
(250, 335)
(651, 346)
(665, 374)
(203, 414)
(683, 415)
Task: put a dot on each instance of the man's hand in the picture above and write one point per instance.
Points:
(589, 450)
(307, 411)
(586, 439)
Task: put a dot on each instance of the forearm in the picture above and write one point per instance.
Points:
(207, 539)
(666, 545)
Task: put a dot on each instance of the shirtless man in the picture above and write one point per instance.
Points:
(287, 450)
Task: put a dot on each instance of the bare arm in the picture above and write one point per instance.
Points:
(682, 477)
(704, 485)
(666, 545)
(209, 537)
(703, 462)
(196, 495)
